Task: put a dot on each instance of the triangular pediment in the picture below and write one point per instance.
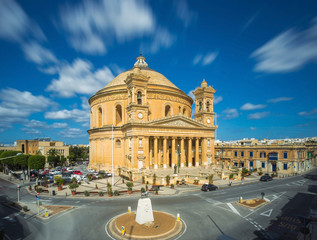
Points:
(177, 121)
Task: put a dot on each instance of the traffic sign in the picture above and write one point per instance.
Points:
(37, 198)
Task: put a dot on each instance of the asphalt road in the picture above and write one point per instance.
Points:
(206, 214)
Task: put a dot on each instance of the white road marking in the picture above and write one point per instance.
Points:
(266, 199)
(267, 213)
(233, 209)
(77, 202)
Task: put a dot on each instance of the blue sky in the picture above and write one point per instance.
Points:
(260, 56)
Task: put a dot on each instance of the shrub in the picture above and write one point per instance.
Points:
(100, 193)
(168, 178)
(196, 181)
(39, 190)
(154, 178)
(143, 179)
(116, 193)
(100, 176)
(109, 188)
(260, 173)
(231, 176)
(74, 179)
(73, 186)
(59, 181)
(142, 190)
(210, 178)
(25, 208)
(129, 185)
(172, 185)
(87, 193)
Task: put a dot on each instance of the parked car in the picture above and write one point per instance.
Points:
(46, 172)
(91, 170)
(208, 187)
(104, 174)
(266, 178)
(77, 172)
(92, 175)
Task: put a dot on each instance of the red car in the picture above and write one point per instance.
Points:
(46, 172)
(77, 172)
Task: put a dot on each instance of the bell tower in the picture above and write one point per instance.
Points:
(204, 96)
(138, 108)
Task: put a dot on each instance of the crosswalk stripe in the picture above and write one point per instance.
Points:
(233, 209)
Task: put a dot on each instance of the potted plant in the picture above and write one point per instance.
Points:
(30, 188)
(168, 178)
(100, 193)
(87, 193)
(210, 178)
(89, 177)
(59, 181)
(260, 173)
(231, 176)
(146, 187)
(172, 186)
(122, 179)
(38, 190)
(196, 181)
(119, 172)
(25, 208)
(156, 191)
(109, 189)
(142, 190)
(116, 193)
(177, 182)
(96, 186)
(154, 179)
(73, 187)
(129, 185)
(143, 179)
(74, 180)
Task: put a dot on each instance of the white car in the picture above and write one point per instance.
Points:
(91, 170)
(78, 177)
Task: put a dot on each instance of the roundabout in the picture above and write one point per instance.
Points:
(164, 226)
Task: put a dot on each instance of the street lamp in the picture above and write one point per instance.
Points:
(179, 156)
(222, 155)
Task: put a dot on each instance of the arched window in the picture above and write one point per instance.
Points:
(99, 117)
(139, 97)
(200, 106)
(167, 110)
(208, 108)
(118, 143)
(118, 115)
(184, 112)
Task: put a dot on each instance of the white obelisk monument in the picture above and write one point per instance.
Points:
(144, 212)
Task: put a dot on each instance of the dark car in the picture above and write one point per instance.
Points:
(208, 187)
(266, 178)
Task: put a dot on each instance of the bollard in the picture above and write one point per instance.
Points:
(177, 219)
(46, 212)
(241, 200)
(123, 230)
(129, 209)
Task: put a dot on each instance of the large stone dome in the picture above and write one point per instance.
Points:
(155, 78)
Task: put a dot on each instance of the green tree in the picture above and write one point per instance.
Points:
(36, 162)
(62, 160)
(21, 160)
(53, 160)
(8, 162)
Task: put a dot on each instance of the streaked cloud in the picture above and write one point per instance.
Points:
(250, 106)
(73, 133)
(287, 52)
(280, 99)
(230, 113)
(217, 99)
(258, 115)
(79, 78)
(205, 59)
(162, 38)
(15, 25)
(31, 131)
(312, 112)
(92, 25)
(59, 125)
(34, 52)
(252, 128)
(184, 13)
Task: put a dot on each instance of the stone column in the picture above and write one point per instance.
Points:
(173, 152)
(204, 152)
(146, 144)
(151, 151)
(164, 152)
(182, 153)
(197, 152)
(190, 159)
(155, 152)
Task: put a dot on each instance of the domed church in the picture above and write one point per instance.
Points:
(141, 120)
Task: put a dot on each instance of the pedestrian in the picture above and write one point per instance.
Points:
(175, 168)
(230, 183)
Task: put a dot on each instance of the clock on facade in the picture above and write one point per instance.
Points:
(208, 120)
(140, 115)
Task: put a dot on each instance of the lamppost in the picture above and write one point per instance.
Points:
(179, 156)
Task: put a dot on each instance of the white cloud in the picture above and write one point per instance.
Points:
(73, 133)
(312, 112)
(15, 24)
(280, 99)
(75, 115)
(287, 52)
(31, 131)
(79, 78)
(35, 124)
(161, 38)
(59, 125)
(217, 99)
(209, 58)
(183, 13)
(84, 103)
(205, 59)
(191, 94)
(38, 54)
(259, 115)
(252, 128)
(230, 113)
(250, 106)
(93, 24)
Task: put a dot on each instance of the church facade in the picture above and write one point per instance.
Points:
(141, 120)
